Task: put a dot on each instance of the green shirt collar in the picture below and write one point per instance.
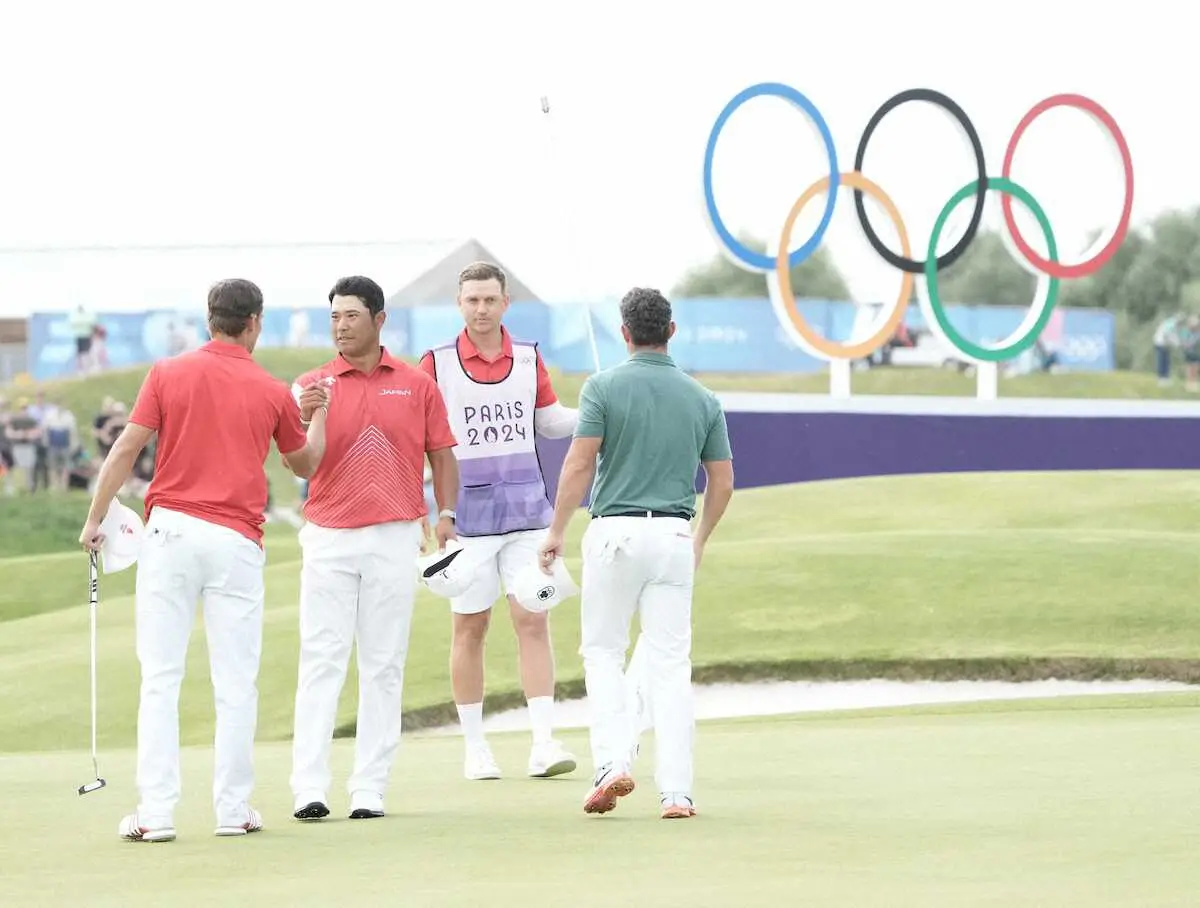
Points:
(645, 356)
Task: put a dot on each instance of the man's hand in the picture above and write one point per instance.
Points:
(551, 548)
(445, 530)
(312, 399)
(91, 538)
(698, 550)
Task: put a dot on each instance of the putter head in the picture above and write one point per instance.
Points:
(92, 786)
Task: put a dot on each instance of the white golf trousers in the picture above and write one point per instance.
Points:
(356, 587)
(182, 560)
(644, 565)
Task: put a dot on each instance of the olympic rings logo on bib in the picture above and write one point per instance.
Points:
(1049, 271)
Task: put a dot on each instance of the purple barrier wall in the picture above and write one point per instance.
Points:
(793, 438)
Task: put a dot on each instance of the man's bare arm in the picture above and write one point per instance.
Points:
(718, 490)
(304, 463)
(578, 469)
(444, 467)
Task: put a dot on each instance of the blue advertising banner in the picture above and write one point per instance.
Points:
(713, 335)
(129, 339)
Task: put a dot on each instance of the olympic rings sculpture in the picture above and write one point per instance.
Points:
(1049, 271)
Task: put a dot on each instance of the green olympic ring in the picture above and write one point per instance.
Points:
(1023, 340)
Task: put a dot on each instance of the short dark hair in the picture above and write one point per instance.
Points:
(483, 271)
(364, 288)
(647, 315)
(231, 305)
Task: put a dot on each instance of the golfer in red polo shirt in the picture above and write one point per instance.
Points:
(499, 395)
(215, 411)
(366, 511)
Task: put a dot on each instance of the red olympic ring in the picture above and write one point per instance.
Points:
(1059, 270)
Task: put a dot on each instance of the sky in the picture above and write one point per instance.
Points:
(271, 122)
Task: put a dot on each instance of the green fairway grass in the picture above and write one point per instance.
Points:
(1088, 802)
(972, 575)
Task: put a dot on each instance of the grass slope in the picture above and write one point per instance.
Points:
(985, 575)
(1065, 804)
(84, 397)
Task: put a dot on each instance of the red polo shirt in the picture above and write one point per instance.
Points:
(379, 427)
(489, 371)
(215, 411)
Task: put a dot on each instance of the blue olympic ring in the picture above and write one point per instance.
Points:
(755, 260)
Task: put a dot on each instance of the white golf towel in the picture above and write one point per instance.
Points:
(123, 530)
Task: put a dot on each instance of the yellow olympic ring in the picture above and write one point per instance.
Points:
(833, 349)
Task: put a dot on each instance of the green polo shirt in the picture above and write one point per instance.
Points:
(657, 424)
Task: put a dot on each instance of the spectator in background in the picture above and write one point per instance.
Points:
(41, 470)
(176, 340)
(1047, 356)
(108, 425)
(61, 433)
(83, 326)
(24, 436)
(7, 461)
(1168, 336)
(298, 329)
(143, 472)
(1190, 341)
(99, 348)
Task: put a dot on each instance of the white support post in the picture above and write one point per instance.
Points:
(839, 378)
(987, 381)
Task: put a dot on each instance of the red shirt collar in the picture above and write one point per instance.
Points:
(467, 348)
(386, 361)
(223, 348)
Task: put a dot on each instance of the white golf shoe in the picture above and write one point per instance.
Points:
(676, 805)
(479, 764)
(549, 759)
(611, 782)
(366, 805)
(131, 829)
(252, 823)
(311, 805)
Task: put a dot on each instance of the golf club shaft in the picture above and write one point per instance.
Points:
(94, 599)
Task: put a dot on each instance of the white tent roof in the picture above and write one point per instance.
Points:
(134, 279)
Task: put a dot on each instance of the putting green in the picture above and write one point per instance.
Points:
(1086, 802)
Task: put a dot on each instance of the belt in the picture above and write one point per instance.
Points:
(680, 515)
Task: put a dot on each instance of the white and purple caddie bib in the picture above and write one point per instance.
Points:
(501, 487)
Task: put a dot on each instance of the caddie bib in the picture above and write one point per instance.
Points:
(501, 487)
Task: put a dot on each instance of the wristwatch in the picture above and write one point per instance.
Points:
(446, 512)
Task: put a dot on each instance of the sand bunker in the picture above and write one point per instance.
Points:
(725, 701)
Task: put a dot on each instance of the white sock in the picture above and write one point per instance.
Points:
(471, 717)
(541, 718)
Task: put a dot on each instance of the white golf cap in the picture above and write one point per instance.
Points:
(123, 530)
(444, 571)
(539, 592)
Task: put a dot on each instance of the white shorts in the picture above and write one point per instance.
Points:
(500, 558)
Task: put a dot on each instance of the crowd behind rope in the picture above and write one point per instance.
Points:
(1178, 333)
(43, 449)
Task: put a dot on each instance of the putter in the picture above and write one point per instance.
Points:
(94, 598)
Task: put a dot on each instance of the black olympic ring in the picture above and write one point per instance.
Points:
(952, 108)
